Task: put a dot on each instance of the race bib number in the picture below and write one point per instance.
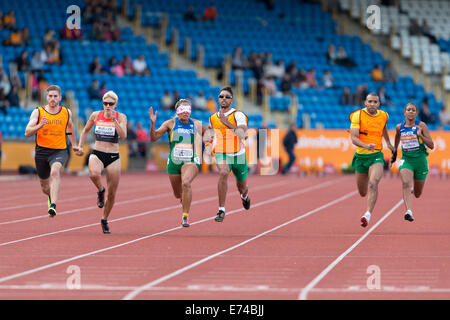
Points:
(105, 131)
(410, 143)
(182, 152)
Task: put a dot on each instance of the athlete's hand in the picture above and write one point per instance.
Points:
(151, 115)
(419, 131)
(222, 117)
(394, 157)
(44, 121)
(371, 146)
(78, 151)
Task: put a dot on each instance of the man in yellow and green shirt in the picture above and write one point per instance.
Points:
(368, 127)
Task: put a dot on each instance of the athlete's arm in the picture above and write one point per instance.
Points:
(87, 128)
(33, 126)
(121, 125)
(424, 133)
(198, 140)
(397, 137)
(70, 129)
(354, 134)
(386, 138)
(156, 134)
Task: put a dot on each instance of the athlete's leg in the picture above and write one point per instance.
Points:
(222, 186)
(418, 187)
(407, 177)
(112, 182)
(55, 181)
(375, 175)
(362, 182)
(175, 181)
(45, 186)
(188, 172)
(95, 171)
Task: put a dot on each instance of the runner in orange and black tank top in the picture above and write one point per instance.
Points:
(51, 140)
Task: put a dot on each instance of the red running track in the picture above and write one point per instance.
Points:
(300, 240)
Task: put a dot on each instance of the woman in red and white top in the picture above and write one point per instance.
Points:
(110, 125)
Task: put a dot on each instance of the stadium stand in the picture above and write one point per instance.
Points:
(291, 31)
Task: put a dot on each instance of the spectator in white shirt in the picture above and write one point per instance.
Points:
(140, 66)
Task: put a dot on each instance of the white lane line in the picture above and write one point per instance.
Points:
(136, 292)
(57, 263)
(225, 288)
(304, 293)
(130, 216)
(119, 203)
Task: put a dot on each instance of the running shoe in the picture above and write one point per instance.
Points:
(409, 216)
(220, 216)
(105, 227)
(51, 209)
(246, 203)
(185, 220)
(365, 220)
(101, 198)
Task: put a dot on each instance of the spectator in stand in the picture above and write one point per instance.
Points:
(9, 21)
(377, 74)
(385, 99)
(49, 38)
(343, 59)
(346, 97)
(270, 86)
(210, 13)
(142, 139)
(175, 98)
(94, 90)
(414, 28)
(36, 63)
(359, 97)
(331, 54)
(22, 61)
(95, 66)
(5, 84)
(275, 70)
(34, 84)
(116, 68)
(42, 83)
(238, 60)
(199, 102)
(425, 114)
(390, 75)
(103, 89)
(311, 78)
(189, 15)
(444, 117)
(286, 85)
(71, 34)
(167, 101)
(4, 103)
(132, 140)
(50, 54)
(26, 36)
(327, 80)
(140, 66)
(211, 104)
(127, 65)
(14, 38)
(13, 96)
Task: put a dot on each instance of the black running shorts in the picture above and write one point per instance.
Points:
(44, 159)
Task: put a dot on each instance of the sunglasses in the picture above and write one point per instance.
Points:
(108, 103)
(225, 96)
